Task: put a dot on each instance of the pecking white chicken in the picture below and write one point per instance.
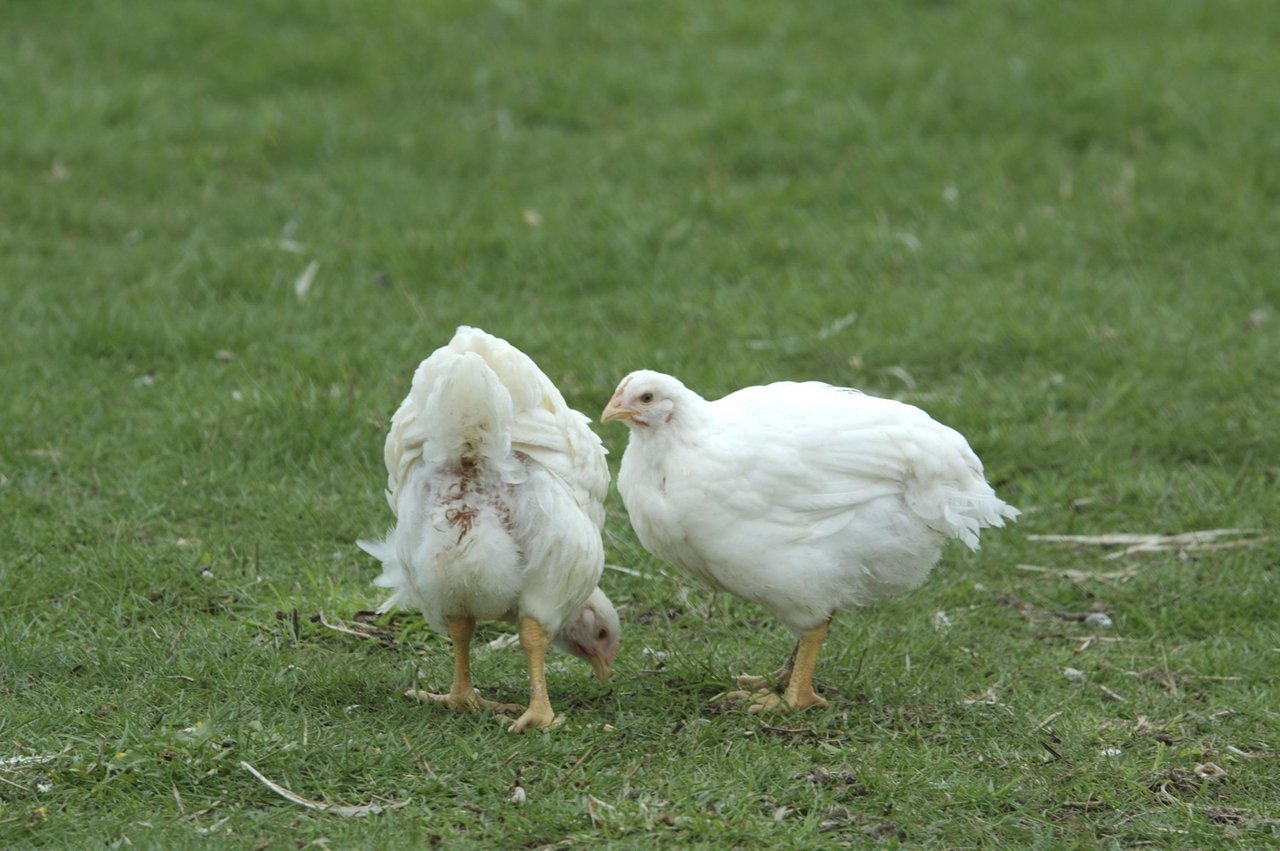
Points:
(804, 498)
(497, 487)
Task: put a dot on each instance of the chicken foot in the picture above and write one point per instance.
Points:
(796, 677)
(462, 696)
(780, 678)
(534, 640)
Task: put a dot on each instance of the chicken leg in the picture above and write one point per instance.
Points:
(462, 695)
(534, 641)
(799, 693)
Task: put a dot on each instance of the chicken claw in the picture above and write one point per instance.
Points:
(748, 681)
(764, 701)
(780, 678)
(464, 702)
(537, 721)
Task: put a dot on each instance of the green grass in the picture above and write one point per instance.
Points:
(1055, 220)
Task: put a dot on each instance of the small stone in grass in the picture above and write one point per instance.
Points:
(1209, 771)
(1257, 318)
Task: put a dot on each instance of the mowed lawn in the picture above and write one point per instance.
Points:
(229, 231)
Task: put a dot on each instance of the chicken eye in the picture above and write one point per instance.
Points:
(646, 397)
(602, 634)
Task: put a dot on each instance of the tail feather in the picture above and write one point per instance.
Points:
(515, 370)
(393, 575)
(962, 514)
(457, 409)
(466, 410)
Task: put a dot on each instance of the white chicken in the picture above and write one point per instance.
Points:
(497, 487)
(804, 498)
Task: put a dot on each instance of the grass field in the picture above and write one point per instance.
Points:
(1054, 226)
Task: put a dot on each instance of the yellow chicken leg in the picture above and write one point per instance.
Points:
(800, 694)
(462, 695)
(534, 641)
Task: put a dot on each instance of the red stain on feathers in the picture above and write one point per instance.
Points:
(462, 518)
(467, 495)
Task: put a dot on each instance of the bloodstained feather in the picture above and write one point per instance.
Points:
(464, 512)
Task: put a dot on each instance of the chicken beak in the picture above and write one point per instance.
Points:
(601, 666)
(617, 412)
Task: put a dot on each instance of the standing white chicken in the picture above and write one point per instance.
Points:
(497, 487)
(804, 498)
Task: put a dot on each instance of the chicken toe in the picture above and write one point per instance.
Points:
(759, 700)
(763, 701)
(780, 678)
(462, 702)
(537, 719)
